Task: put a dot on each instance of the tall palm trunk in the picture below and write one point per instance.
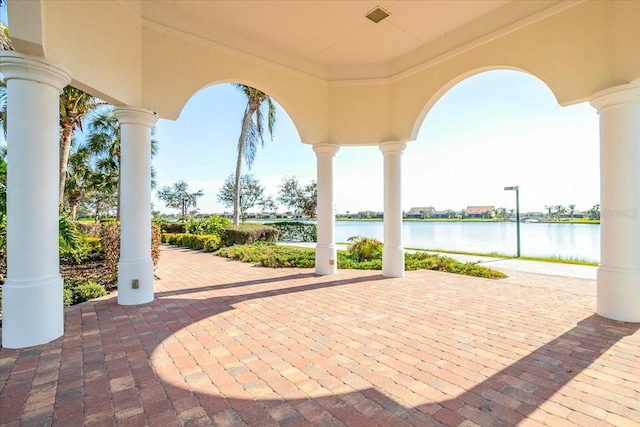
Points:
(66, 133)
(241, 141)
(74, 211)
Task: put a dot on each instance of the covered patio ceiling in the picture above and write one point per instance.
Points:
(334, 39)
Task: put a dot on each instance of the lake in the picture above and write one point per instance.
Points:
(581, 241)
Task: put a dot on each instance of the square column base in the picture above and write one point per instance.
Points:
(32, 312)
(392, 261)
(326, 259)
(128, 271)
(619, 294)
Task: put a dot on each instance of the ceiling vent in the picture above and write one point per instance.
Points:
(377, 14)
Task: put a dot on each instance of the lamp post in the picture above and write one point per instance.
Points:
(517, 190)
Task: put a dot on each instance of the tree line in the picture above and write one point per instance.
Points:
(299, 198)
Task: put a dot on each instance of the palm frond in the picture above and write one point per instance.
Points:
(251, 144)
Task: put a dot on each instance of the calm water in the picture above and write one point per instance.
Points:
(580, 241)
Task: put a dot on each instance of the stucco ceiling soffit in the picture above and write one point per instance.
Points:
(492, 26)
(334, 40)
(300, 68)
(134, 7)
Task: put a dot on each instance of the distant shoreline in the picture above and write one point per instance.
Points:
(562, 221)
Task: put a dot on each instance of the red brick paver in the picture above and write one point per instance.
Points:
(229, 344)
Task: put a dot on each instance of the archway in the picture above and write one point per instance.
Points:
(200, 147)
(490, 129)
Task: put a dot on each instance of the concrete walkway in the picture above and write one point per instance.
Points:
(507, 265)
(229, 344)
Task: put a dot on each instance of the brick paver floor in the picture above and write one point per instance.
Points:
(229, 344)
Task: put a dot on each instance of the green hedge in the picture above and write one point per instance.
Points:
(247, 234)
(213, 225)
(207, 243)
(173, 227)
(294, 231)
(77, 291)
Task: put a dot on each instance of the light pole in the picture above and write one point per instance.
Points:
(517, 190)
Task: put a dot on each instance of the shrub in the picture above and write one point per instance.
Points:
(277, 256)
(294, 231)
(76, 291)
(270, 255)
(214, 225)
(247, 234)
(93, 245)
(88, 291)
(207, 243)
(90, 230)
(173, 227)
(156, 237)
(67, 297)
(110, 240)
(71, 240)
(111, 246)
(365, 249)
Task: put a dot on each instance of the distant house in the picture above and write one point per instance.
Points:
(420, 213)
(576, 214)
(481, 211)
(444, 214)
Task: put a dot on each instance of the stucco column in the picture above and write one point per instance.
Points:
(32, 292)
(326, 261)
(619, 271)
(135, 206)
(393, 251)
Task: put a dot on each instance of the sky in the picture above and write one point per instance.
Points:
(494, 129)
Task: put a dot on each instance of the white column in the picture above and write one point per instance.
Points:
(32, 292)
(135, 206)
(619, 271)
(393, 251)
(326, 257)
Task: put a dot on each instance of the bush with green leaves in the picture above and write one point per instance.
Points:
(173, 227)
(110, 241)
(93, 245)
(271, 255)
(72, 240)
(77, 291)
(192, 241)
(213, 225)
(67, 297)
(279, 256)
(295, 231)
(365, 249)
(246, 234)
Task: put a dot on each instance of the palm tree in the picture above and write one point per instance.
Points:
(559, 211)
(572, 209)
(251, 133)
(74, 106)
(79, 175)
(104, 142)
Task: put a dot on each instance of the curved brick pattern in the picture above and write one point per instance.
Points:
(229, 344)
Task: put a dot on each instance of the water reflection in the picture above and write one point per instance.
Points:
(580, 241)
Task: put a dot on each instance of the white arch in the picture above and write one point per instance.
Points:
(453, 82)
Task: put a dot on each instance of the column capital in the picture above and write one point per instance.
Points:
(16, 65)
(392, 147)
(135, 116)
(326, 149)
(624, 94)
